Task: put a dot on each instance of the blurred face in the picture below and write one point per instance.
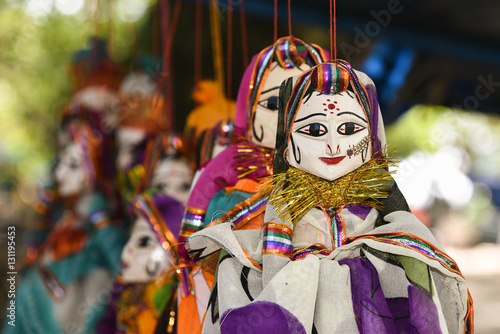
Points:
(330, 136)
(138, 83)
(173, 177)
(143, 257)
(69, 173)
(265, 122)
(129, 142)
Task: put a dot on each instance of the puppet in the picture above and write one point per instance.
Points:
(228, 184)
(76, 262)
(148, 259)
(339, 250)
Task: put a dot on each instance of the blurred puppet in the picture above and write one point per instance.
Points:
(140, 120)
(148, 259)
(81, 253)
(340, 251)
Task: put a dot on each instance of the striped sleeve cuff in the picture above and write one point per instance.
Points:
(277, 240)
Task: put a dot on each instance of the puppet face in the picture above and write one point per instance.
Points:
(143, 257)
(265, 122)
(69, 172)
(330, 136)
(138, 83)
(129, 141)
(173, 177)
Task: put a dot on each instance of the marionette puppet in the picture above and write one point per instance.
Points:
(249, 156)
(148, 274)
(229, 181)
(140, 119)
(213, 141)
(96, 81)
(148, 282)
(167, 167)
(339, 251)
(64, 291)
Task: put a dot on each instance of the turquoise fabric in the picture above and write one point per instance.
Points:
(34, 313)
(223, 202)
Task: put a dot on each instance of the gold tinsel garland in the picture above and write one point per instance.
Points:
(252, 161)
(295, 192)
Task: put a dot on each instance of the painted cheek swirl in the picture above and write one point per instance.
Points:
(256, 136)
(296, 151)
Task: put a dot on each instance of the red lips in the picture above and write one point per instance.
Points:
(332, 161)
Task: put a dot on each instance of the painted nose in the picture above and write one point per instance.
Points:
(331, 143)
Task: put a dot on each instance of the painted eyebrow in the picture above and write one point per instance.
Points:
(304, 118)
(351, 113)
(269, 90)
(348, 93)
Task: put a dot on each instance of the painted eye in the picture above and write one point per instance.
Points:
(143, 242)
(349, 128)
(162, 186)
(270, 103)
(185, 186)
(73, 165)
(314, 130)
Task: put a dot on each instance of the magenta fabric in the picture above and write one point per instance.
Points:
(240, 119)
(219, 173)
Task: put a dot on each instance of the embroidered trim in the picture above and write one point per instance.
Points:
(277, 240)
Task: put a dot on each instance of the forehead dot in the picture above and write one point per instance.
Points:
(324, 104)
(338, 109)
(328, 100)
(331, 106)
(334, 101)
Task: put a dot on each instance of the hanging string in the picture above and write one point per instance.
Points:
(96, 13)
(166, 81)
(163, 86)
(229, 48)
(217, 43)
(164, 22)
(244, 43)
(110, 37)
(275, 20)
(333, 30)
(198, 41)
(289, 18)
(156, 16)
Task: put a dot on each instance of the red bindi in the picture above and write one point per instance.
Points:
(331, 106)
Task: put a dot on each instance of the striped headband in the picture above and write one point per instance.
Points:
(289, 52)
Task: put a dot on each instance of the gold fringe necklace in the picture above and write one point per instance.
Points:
(295, 192)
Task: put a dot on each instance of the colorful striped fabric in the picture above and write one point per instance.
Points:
(192, 222)
(313, 249)
(277, 240)
(338, 230)
(412, 242)
(244, 211)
